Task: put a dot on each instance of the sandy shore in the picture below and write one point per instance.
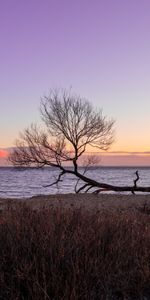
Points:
(86, 201)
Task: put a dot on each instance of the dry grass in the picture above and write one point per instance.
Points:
(71, 254)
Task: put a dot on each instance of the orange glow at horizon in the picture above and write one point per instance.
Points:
(3, 153)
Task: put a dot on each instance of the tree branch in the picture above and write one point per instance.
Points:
(72, 123)
(82, 188)
(57, 180)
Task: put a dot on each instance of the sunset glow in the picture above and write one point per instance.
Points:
(3, 153)
(100, 49)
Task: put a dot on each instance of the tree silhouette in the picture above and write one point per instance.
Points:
(70, 126)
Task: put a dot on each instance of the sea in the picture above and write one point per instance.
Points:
(28, 182)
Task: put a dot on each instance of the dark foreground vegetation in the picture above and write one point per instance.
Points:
(66, 254)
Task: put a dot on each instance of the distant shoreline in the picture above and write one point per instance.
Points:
(91, 167)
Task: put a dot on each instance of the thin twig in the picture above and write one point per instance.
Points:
(57, 180)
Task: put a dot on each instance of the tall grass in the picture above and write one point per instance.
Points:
(73, 254)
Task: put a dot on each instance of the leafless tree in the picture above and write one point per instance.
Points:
(70, 126)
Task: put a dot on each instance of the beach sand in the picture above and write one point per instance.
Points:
(90, 202)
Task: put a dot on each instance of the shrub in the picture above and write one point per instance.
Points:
(73, 254)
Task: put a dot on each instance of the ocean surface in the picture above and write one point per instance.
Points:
(28, 182)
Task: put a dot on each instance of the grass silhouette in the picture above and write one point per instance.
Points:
(74, 254)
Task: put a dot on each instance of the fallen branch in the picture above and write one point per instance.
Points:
(100, 186)
(108, 187)
(135, 181)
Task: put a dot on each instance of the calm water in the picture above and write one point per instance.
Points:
(30, 182)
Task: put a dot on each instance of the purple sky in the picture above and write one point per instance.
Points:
(100, 47)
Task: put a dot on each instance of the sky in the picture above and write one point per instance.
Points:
(100, 48)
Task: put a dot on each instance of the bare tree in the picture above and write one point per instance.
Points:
(70, 126)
